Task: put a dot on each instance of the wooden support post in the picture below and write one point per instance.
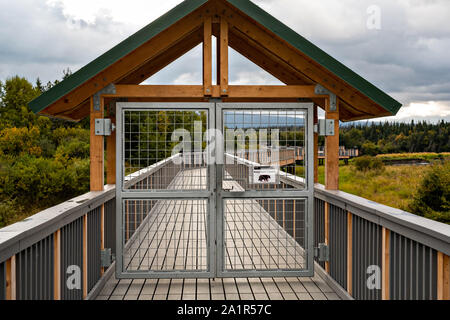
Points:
(349, 252)
(11, 278)
(316, 147)
(223, 43)
(327, 232)
(207, 57)
(443, 274)
(332, 150)
(85, 256)
(385, 261)
(111, 147)
(96, 149)
(57, 265)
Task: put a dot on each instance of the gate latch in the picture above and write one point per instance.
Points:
(106, 258)
(104, 127)
(325, 127)
(322, 253)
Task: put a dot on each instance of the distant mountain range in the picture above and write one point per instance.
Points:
(256, 120)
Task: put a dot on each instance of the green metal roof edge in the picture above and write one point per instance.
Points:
(113, 55)
(317, 54)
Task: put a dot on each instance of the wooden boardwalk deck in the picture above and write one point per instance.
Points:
(173, 237)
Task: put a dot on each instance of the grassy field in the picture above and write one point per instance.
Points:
(428, 156)
(395, 186)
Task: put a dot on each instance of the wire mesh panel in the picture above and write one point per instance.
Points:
(266, 230)
(172, 236)
(164, 195)
(159, 144)
(259, 239)
(264, 138)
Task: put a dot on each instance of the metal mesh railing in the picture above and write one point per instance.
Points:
(413, 270)
(34, 271)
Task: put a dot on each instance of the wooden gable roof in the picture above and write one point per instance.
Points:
(252, 32)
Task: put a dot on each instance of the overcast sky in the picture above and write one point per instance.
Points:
(406, 54)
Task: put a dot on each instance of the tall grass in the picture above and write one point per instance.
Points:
(394, 186)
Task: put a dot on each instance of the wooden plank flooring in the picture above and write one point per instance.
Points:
(292, 288)
(173, 237)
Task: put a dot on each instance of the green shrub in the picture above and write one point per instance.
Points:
(369, 148)
(43, 181)
(432, 199)
(367, 163)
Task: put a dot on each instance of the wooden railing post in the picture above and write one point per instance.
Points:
(443, 274)
(385, 261)
(11, 278)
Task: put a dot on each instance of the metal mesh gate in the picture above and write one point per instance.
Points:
(266, 190)
(164, 196)
(194, 202)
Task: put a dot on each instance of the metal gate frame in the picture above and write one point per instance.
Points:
(124, 194)
(307, 194)
(214, 193)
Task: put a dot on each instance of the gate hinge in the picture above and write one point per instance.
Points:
(106, 258)
(104, 127)
(322, 253)
(325, 127)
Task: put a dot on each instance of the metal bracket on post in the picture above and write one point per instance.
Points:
(319, 90)
(104, 127)
(109, 89)
(322, 253)
(106, 258)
